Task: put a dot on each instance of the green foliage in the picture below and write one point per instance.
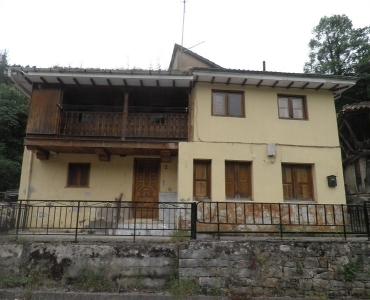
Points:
(338, 48)
(13, 118)
(183, 288)
(92, 280)
(13, 281)
(350, 269)
(180, 236)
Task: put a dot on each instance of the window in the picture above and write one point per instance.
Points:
(229, 104)
(297, 181)
(292, 107)
(202, 179)
(78, 175)
(238, 183)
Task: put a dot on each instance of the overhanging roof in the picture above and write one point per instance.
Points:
(24, 78)
(336, 84)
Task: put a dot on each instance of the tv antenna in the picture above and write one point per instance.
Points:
(183, 23)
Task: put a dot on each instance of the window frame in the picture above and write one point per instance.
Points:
(68, 185)
(226, 103)
(311, 181)
(290, 107)
(209, 179)
(249, 166)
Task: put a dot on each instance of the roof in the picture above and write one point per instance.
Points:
(178, 48)
(363, 105)
(24, 78)
(336, 84)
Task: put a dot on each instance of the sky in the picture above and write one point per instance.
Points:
(141, 33)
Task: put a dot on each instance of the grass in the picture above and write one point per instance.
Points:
(183, 288)
(92, 281)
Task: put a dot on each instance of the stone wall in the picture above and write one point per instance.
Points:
(255, 268)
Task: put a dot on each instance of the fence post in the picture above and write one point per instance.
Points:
(77, 220)
(344, 223)
(366, 218)
(18, 218)
(193, 221)
(280, 223)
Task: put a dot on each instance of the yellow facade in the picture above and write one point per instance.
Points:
(313, 141)
(47, 179)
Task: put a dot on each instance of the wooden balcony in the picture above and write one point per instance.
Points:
(162, 126)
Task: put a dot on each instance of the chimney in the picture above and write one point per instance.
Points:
(263, 66)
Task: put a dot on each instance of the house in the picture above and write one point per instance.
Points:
(354, 132)
(194, 132)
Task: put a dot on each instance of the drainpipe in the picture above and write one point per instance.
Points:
(30, 164)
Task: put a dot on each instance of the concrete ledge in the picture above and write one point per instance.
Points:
(43, 295)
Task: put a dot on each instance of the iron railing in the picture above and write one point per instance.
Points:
(283, 218)
(181, 219)
(108, 218)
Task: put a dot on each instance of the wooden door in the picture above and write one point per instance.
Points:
(297, 182)
(202, 179)
(146, 188)
(44, 113)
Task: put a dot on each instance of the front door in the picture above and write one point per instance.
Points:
(146, 187)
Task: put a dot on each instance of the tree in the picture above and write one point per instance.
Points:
(337, 48)
(13, 117)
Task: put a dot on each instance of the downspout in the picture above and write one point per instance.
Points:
(30, 164)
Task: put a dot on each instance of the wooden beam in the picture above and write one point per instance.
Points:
(42, 154)
(103, 154)
(76, 81)
(319, 86)
(305, 85)
(228, 81)
(43, 80)
(259, 83)
(93, 82)
(244, 81)
(275, 83)
(334, 87)
(84, 144)
(125, 116)
(28, 80)
(165, 156)
(60, 80)
(289, 85)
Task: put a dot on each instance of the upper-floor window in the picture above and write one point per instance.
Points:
(228, 103)
(292, 107)
(78, 175)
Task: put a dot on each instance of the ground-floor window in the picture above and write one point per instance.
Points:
(202, 179)
(297, 181)
(78, 175)
(238, 181)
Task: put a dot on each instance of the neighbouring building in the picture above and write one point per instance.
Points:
(196, 131)
(354, 132)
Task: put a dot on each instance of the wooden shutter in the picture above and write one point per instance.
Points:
(202, 179)
(44, 113)
(297, 182)
(238, 179)
(230, 180)
(78, 174)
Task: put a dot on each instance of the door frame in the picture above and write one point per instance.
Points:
(136, 160)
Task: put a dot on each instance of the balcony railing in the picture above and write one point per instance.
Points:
(112, 124)
(157, 125)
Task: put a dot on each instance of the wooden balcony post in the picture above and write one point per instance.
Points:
(124, 117)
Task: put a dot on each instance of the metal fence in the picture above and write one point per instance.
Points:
(283, 218)
(181, 219)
